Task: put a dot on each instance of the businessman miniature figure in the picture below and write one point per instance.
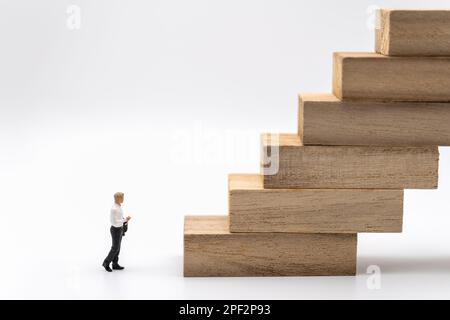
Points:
(117, 223)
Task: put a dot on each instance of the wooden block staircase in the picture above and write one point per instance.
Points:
(345, 170)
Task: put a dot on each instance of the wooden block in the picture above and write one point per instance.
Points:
(337, 167)
(210, 250)
(373, 76)
(326, 120)
(413, 33)
(255, 209)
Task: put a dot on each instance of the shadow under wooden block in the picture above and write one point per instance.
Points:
(323, 119)
(346, 167)
(210, 250)
(255, 209)
(373, 76)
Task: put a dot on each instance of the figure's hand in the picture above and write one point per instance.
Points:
(128, 218)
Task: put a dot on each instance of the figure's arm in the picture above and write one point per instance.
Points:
(125, 220)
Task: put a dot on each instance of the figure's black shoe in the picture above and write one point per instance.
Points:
(106, 266)
(117, 267)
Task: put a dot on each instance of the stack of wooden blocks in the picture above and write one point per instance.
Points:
(345, 171)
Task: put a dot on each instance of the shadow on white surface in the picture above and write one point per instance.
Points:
(406, 265)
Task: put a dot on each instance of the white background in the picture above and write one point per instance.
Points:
(161, 100)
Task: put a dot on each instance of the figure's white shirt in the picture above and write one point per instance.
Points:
(116, 216)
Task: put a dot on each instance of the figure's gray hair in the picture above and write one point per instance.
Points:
(118, 195)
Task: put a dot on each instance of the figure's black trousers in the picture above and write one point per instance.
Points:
(113, 255)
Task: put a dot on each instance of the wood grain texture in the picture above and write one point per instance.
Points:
(255, 209)
(326, 120)
(343, 167)
(212, 251)
(413, 33)
(372, 76)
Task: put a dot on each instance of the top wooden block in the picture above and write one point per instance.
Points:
(413, 33)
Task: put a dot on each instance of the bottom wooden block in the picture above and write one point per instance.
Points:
(210, 250)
